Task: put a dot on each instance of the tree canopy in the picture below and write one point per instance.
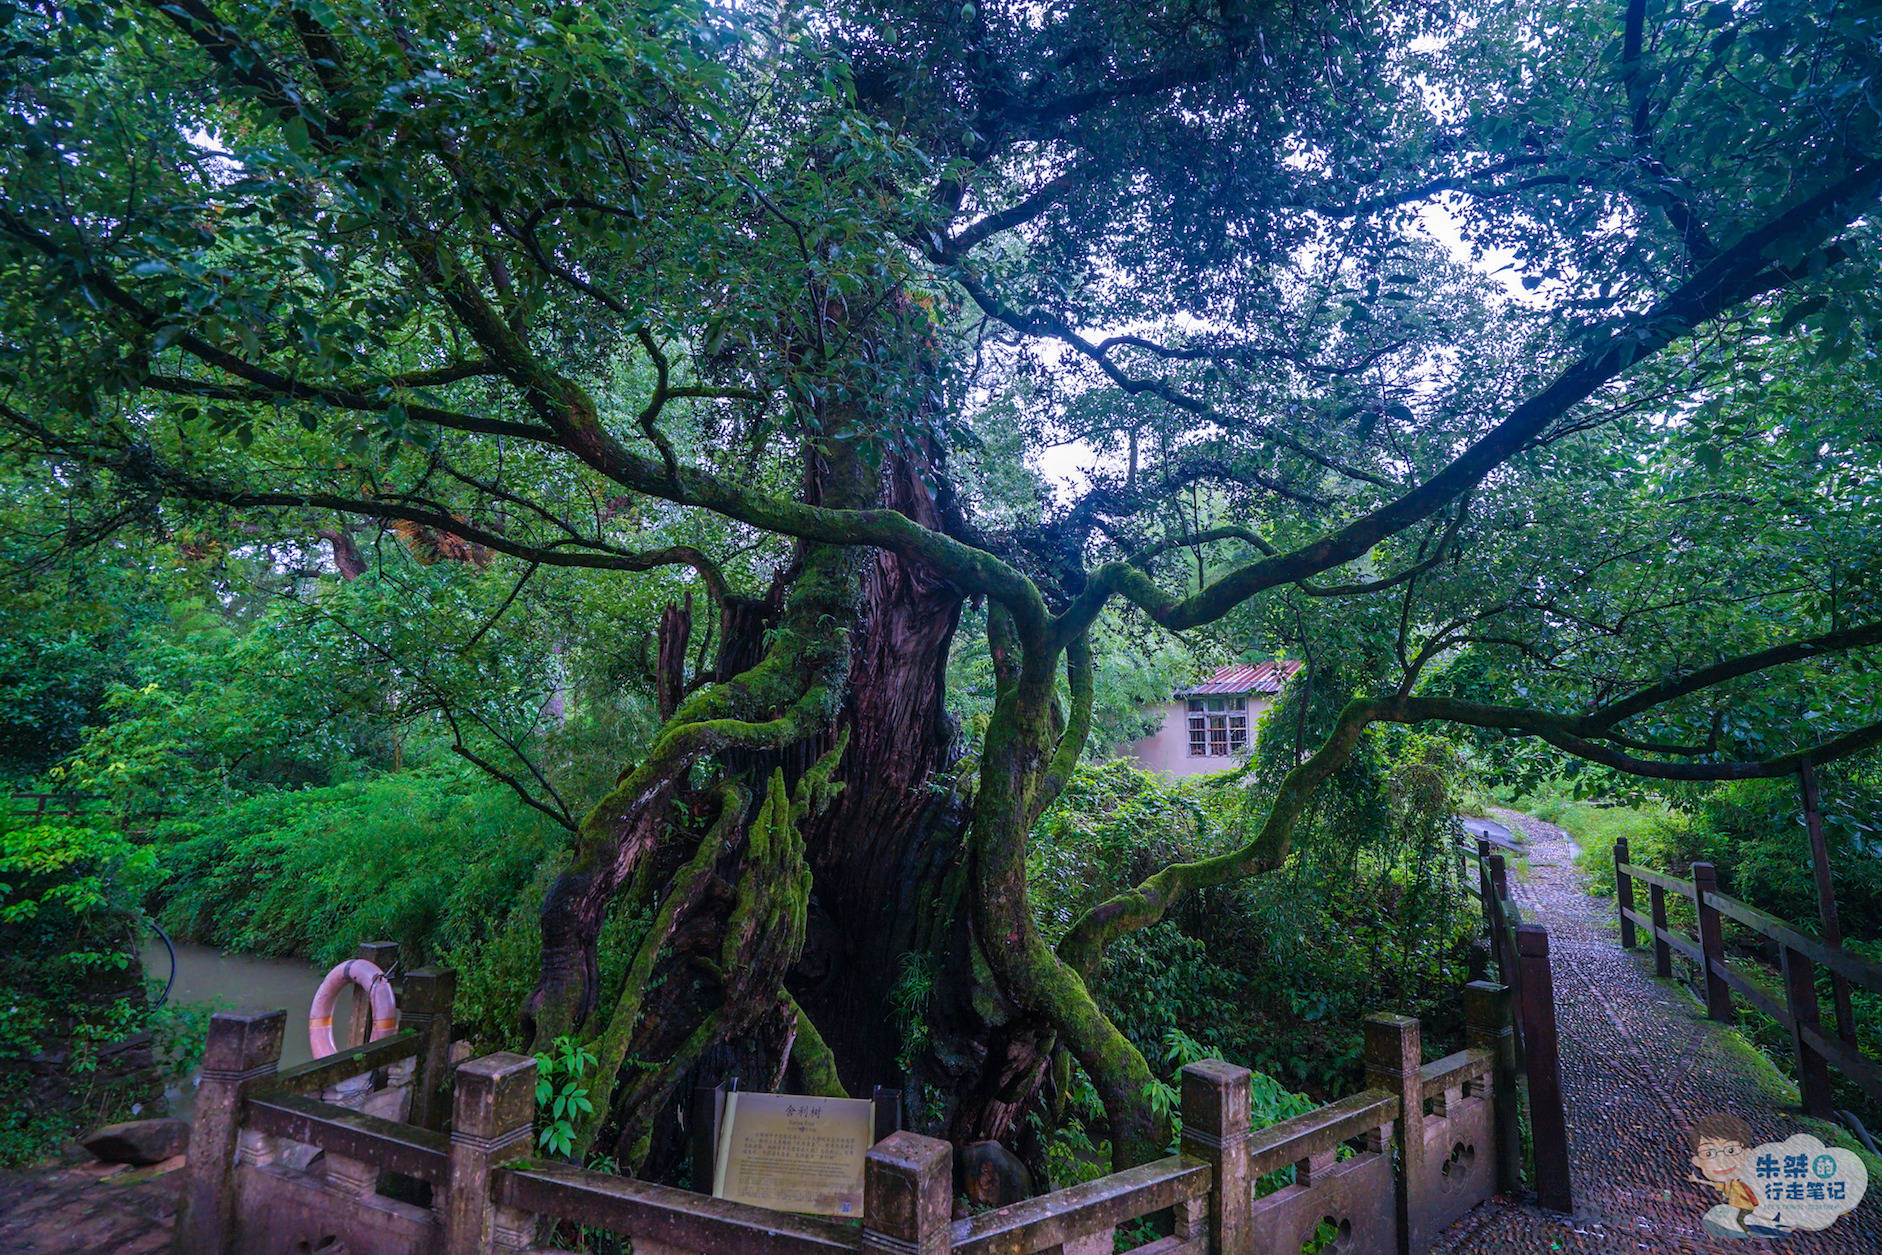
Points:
(774, 310)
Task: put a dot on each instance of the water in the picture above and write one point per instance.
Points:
(205, 974)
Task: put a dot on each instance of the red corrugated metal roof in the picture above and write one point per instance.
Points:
(1261, 677)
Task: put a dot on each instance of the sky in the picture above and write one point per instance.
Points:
(1066, 467)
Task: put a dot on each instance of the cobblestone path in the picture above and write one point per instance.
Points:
(1640, 1065)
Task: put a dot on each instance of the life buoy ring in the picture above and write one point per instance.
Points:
(367, 976)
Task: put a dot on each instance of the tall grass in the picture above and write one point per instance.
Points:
(1596, 827)
(426, 859)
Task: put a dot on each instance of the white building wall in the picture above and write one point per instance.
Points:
(1167, 749)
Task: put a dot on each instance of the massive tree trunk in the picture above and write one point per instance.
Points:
(824, 798)
(882, 854)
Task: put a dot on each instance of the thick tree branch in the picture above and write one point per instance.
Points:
(1729, 669)
(1737, 274)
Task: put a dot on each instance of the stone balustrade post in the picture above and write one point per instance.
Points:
(242, 1052)
(1215, 1130)
(1394, 1059)
(1490, 1024)
(430, 993)
(908, 1196)
(493, 1120)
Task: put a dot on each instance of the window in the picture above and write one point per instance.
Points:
(1218, 726)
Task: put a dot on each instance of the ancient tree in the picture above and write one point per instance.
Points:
(637, 287)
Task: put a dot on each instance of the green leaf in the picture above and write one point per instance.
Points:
(1800, 311)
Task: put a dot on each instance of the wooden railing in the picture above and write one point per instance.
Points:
(48, 805)
(1520, 950)
(1452, 1122)
(1799, 956)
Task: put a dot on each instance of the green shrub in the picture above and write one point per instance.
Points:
(69, 983)
(1275, 972)
(1652, 832)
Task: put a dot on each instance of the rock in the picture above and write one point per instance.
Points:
(993, 1176)
(139, 1142)
(300, 1156)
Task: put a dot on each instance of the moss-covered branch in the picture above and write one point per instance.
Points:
(611, 1047)
(1148, 902)
(1079, 678)
(1014, 765)
(816, 1062)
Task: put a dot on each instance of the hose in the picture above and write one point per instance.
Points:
(170, 984)
(1856, 1126)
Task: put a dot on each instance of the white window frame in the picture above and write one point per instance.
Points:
(1217, 727)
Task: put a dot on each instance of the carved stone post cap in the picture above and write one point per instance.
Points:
(1215, 1101)
(911, 1153)
(1486, 1004)
(1392, 1043)
(1532, 941)
(908, 1187)
(1217, 1072)
(495, 1094)
(430, 989)
(245, 1039)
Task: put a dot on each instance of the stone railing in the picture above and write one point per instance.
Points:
(290, 1160)
(1452, 1121)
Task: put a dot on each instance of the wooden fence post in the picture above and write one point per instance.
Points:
(1624, 892)
(1826, 898)
(908, 1196)
(243, 1050)
(493, 1120)
(430, 993)
(1548, 1124)
(1394, 1056)
(1489, 1014)
(1215, 1129)
(708, 1103)
(888, 1111)
(1498, 885)
(384, 955)
(1662, 953)
(1483, 873)
(1800, 997)
(1705, 883)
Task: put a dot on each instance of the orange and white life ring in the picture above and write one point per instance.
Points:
(367, 976)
